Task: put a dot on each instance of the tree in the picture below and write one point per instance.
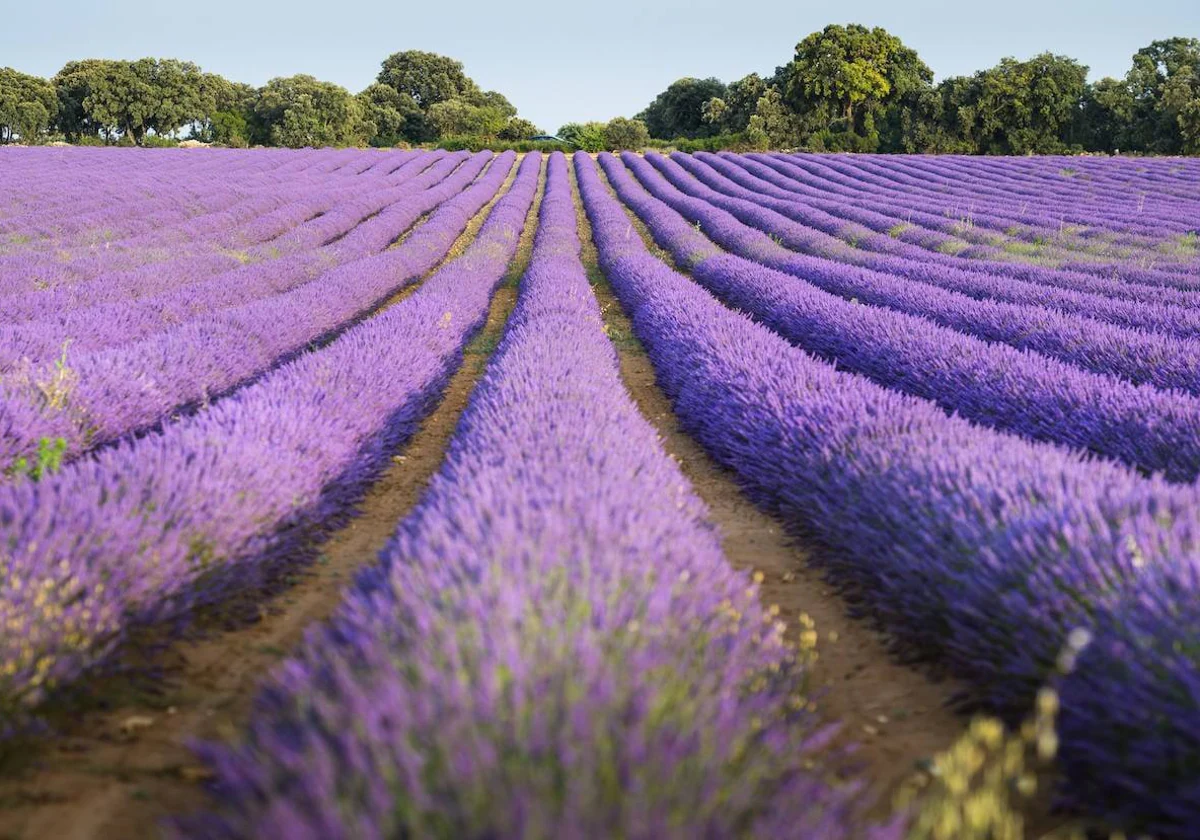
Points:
(588, 137)
(461, 117)
(518, 128)
(732, 112)
(28, 104)
(228, 111)
(389, 111)
(1023, 107)
(773, 125)
(844, 76)
(130, 98)
(1163, 82)
(679, 110)
(1106, 116)
(624, 133)
(300, 111)
(427, 77)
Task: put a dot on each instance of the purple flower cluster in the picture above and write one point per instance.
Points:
(779, 218)
(146, 530)
(993, 384)
(1139, 356)
(108, 394)
(975, 549)
(552, 645)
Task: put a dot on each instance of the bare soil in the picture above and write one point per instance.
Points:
(119, 768)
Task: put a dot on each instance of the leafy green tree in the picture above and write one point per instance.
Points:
(773, 125)
(300, 111)
(518, 128)
(679, 110)
(1023, 107)
(461, 117)
(624, 133)
(732, 112)
(28, 104)
(1164, 81)
(427, 77)
(389, 110)
(843, 77)
(1106, 116)
(588, 136)
(496, 101)
(130, 98)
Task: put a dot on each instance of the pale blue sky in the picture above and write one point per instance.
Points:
(569, 61)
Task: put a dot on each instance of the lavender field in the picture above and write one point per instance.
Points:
(963, 395)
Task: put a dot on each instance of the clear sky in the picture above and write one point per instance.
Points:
(568, 61)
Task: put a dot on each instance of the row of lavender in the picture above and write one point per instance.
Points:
(969, 231)
(901, 228)
(191, 343)
(1052, 376)
(1102, 206)
(143, 226)
(552, 645)
(979, 550)
(146, 530)
(994, 384)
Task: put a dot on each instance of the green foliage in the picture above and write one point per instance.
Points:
(735, 142)
(1022, 107)
(389, 111)
(48, 460)
(518, 128)
(159, 141)
(428, 78)
(1164, 84)
(459, 116)
(679, 110)
(731, 114)
(844, 76)
(473, 143)
(420, 97)
(28, 104)
(623, 133)
(588, 137)
(847, 88)
(300, 111)
(130, 98)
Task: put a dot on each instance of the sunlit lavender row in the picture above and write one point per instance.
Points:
(968, 388)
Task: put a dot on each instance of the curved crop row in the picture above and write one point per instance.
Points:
(146, 531)
(103, 396)
(1142, 358)
(975, 549)
(992, 384)
(517, 664)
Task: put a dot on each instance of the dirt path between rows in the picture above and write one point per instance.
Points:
(118, 772)
(897, 716)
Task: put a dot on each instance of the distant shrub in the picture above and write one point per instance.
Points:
(736, 142)
(623, 133)
(158, 141)
(475, 144)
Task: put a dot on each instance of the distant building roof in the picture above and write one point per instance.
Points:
(546, 137)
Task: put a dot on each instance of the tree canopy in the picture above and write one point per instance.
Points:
(678, 110)
(300, 111)
(28, 104)
(851, 88)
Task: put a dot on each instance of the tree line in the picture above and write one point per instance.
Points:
(846, 88)
(418, 97)
(850, 88)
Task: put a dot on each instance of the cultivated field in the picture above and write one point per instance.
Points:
(430, 494)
